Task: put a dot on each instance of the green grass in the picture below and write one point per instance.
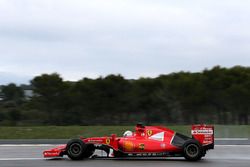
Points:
(65, 132)
(58, 132)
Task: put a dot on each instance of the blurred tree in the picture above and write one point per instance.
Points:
(48, 93)
(12, 92)
(219, 95)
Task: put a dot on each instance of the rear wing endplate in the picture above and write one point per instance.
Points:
(204, 134)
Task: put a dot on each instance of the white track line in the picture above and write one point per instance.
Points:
(231, 139)
(232, 145)
(18, 159)
(29, 145)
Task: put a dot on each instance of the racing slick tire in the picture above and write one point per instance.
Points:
(75, 149)
(192, 150)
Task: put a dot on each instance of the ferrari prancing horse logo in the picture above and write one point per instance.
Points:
(149, 132)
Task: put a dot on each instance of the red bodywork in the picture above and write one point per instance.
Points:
(146, 139)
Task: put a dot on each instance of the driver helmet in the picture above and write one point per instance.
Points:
(127, 133)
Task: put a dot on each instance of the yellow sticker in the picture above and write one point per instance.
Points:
(149, 132)
(108, 141)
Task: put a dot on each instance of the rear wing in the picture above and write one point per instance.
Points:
(204, 134)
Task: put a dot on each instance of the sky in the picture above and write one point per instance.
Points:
(134, 38)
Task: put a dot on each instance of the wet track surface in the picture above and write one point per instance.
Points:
(126, 163)
(31, 156)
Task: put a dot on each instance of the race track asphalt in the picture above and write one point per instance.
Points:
(31, 156)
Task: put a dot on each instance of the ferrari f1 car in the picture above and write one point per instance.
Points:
(144, 141)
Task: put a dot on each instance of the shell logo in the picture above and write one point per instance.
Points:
(141, 146)
(128, 146)
(108, 141)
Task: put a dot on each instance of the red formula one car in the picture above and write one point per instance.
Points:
(145, 141)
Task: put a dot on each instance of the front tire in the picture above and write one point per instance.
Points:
(75, 149)
(192, 150)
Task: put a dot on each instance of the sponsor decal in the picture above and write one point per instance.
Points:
(157, 136)
(149, 132)
(141, 146)
(128, 146)
(204, 131)
(108, 141)
(95, 140)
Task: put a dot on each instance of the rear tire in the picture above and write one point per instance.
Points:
(192, 150)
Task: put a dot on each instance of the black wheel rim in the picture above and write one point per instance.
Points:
(192, 150)
(75, 149)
